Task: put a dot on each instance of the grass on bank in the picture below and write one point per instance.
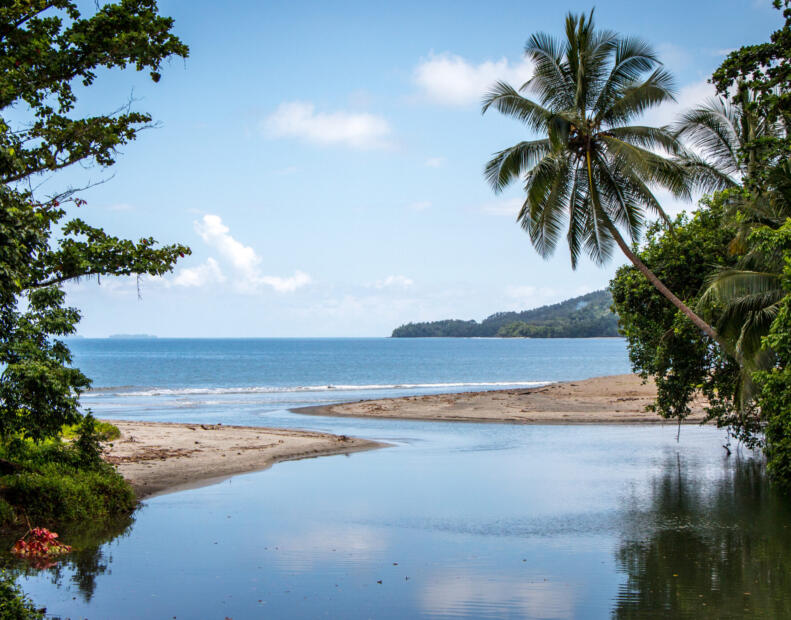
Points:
(60, 481)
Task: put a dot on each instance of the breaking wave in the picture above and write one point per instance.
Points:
(128, 390)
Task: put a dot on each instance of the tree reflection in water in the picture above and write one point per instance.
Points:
(89, 558)
(709, 545)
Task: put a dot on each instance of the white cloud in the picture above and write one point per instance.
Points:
(243, 258)
(449, 79)
(202, 275)
(394, 282)
(509, 207)
(299, 119)
(435, 162)
(287, 285)
(420, 205)
(216, 234)
(467, 593)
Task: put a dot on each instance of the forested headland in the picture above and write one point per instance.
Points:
(587, 316)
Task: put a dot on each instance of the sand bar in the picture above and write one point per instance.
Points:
(602, 400)
(157, 457)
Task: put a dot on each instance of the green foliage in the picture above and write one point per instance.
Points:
(105, 430)
(581, 317)
(53, 483)
(774, 394)
(14, 605)
(662, 344)
(765, 70)
(47, 49)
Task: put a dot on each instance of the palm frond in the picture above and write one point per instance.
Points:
(543, 214)
(650, 167)
(510, 164)
(633, 57)
(506, 100)
(578, 208)
(618, 201)
(551, 80)
(652, 138)
(632, 100)
(744, 290)
(702, 175)
(713, 130)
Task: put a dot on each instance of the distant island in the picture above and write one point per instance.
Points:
(132, 336)
(587, 316)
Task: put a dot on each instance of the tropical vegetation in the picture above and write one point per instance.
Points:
(50, 53)
(586, 316)
(704, 303)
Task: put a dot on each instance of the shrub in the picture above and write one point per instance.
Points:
(14, 605)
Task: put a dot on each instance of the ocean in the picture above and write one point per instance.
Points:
(242, 381)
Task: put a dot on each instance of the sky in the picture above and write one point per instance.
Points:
(324, 163)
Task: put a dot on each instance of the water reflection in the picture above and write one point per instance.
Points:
(546, 522)
(707, 547)
(476, 595)
(90, 556)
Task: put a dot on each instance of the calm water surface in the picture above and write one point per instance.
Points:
(454, 520)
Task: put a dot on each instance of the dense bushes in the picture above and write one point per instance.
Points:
(58, 482)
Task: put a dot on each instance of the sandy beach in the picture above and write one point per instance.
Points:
(158, 457)
(601, 400)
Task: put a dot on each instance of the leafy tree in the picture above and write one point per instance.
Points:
(47, 49)
(774, 396)
(764, 70)
(662, 344)
(748, 296)
(594, 170)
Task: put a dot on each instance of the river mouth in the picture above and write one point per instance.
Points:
(456, 520)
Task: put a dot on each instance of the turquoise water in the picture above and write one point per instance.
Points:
(452, 521)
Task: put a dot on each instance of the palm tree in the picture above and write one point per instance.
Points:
(592, 171)
(748, 296)
(725, 134)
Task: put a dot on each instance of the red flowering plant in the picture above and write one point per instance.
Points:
(40, 547)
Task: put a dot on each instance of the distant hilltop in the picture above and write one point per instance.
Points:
(131, 336)
(587, 316)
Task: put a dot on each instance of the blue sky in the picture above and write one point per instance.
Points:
(324, 162)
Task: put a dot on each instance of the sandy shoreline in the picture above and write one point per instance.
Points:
(617, 399)
(157, 457)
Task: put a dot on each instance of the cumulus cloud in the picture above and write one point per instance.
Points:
(449, 79)
(287, 285)
(244, 259)
(202, 275)
(394, 282)
(300, 120)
